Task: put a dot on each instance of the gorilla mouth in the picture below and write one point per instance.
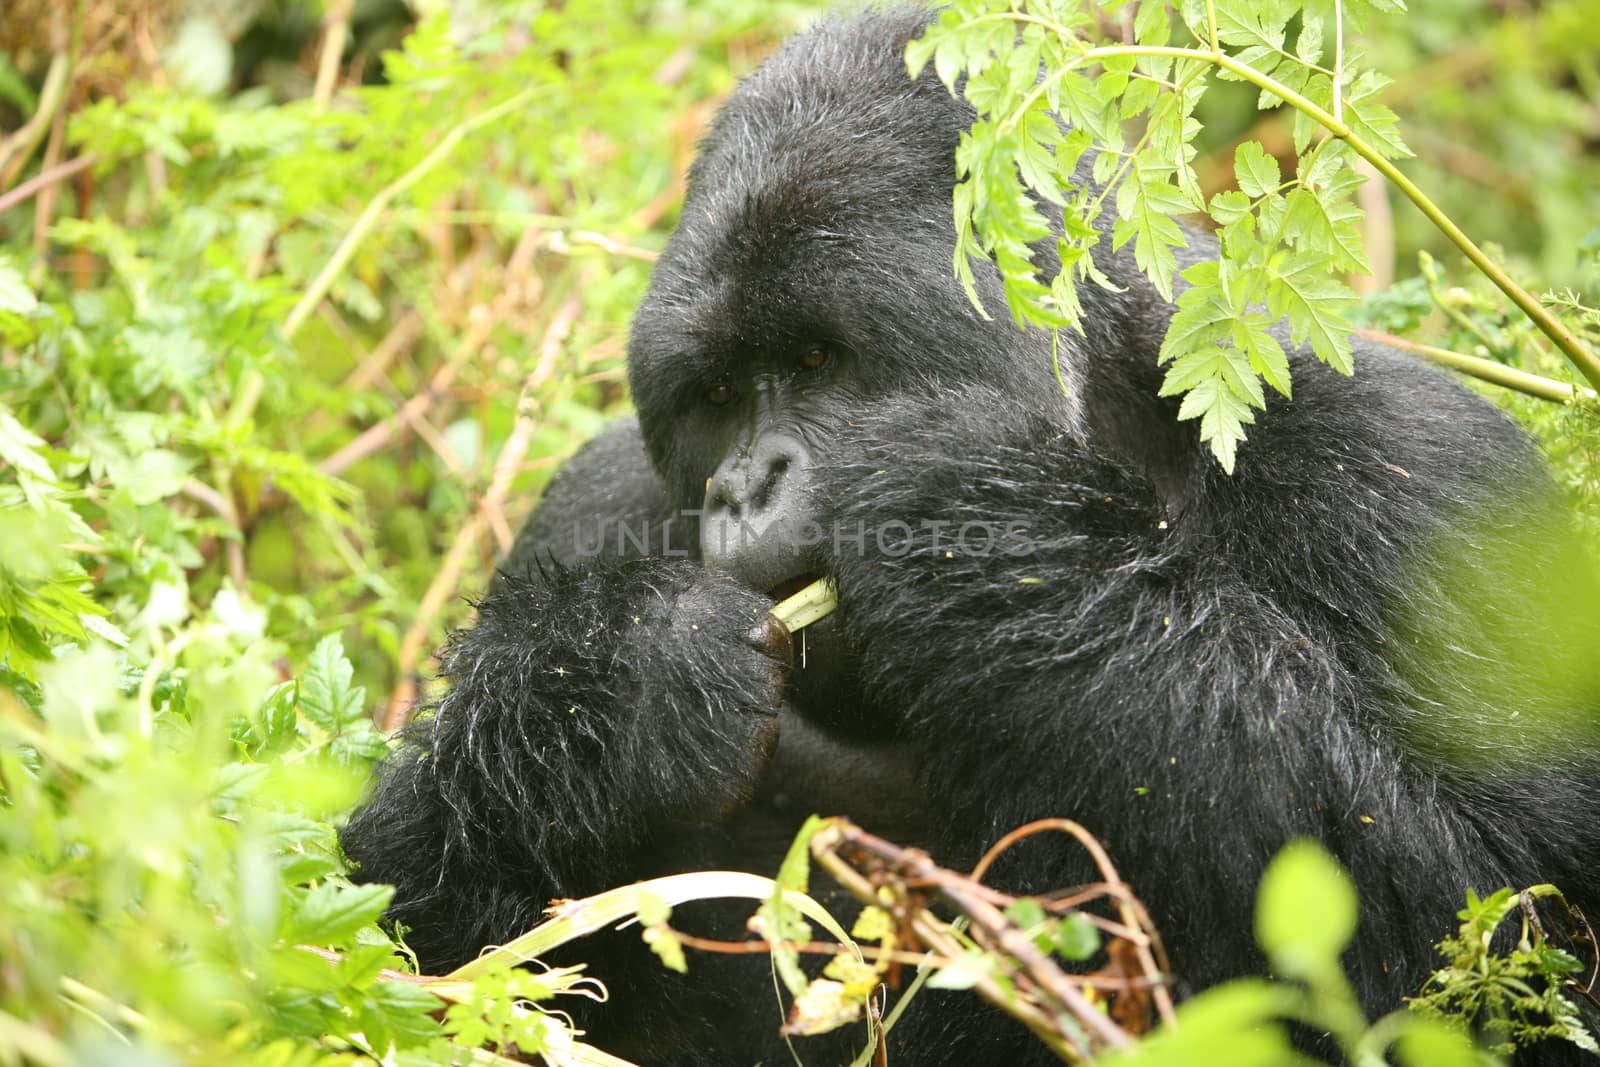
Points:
(790, 586)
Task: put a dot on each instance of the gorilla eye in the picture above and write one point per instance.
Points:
(815, 358)
(719, 395)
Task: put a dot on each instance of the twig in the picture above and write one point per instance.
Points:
(222, 504)
(509, 461)
(44, 179)
(1133, 912)
(442, 587)
(480, 322)
(1060, 995)
(16, 149)
(401, 336)
(335, 33)
(44, 208)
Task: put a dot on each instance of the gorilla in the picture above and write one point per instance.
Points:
(1052, 602)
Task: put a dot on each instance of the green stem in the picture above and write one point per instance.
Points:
(1489, 371)
(250, 390)
(816, 601)
(573, 919)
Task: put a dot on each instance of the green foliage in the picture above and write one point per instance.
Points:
(1073, 937)
(1288, 242)
(1459, 310)
(1514, 998)
(1285, 243)
(1305, 916)
(189, 546)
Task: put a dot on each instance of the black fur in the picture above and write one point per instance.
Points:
(1198, 667)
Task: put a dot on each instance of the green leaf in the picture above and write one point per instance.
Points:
(1426, 1043)
(1327, 220)
(1309, 45)
(1256, 171)
(327, 699)
(1076, 937)
(20, 447)
(330, 914)
(15, 294)
(1316, 305)
(1305, 911)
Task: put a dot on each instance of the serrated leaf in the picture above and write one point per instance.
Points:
(1203, 318)
(1316, 305)
(330, 914)
(327, 699)
(1151, 26)
(1229, 207)
(1327, 221)
(1146, 208)
(20, 447)
(1266, 355)
(1309, 45)
(1257, 172)
(1223, 416)
(1376, 124)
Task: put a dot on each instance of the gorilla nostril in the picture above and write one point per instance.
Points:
(769, 485)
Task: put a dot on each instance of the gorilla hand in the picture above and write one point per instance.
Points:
(592, 712)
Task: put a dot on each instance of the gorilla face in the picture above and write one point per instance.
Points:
(808, 278)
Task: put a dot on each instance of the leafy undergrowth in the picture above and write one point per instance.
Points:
(282, 359)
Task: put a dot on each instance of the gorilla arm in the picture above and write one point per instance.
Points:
(595, 707)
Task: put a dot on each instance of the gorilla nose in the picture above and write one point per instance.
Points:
(755, 515)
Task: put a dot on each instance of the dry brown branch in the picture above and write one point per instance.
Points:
(406, 331)
(480, 322)
(44, 208)
(509, 461)
(1134, 916)
(443, 586)
(222, 505)
(1041, 994)
(45, 179)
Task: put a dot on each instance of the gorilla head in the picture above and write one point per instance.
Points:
(797, 290)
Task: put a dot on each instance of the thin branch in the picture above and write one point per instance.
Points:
(509, 461)
(44, 179)
(406, 331)
(336, 33)
(1058, 994)
(480, 323)
(16, 149)
(1489, 371)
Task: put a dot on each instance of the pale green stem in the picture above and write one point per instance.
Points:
(816, 601)
(250, 392)
(1489, 371)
